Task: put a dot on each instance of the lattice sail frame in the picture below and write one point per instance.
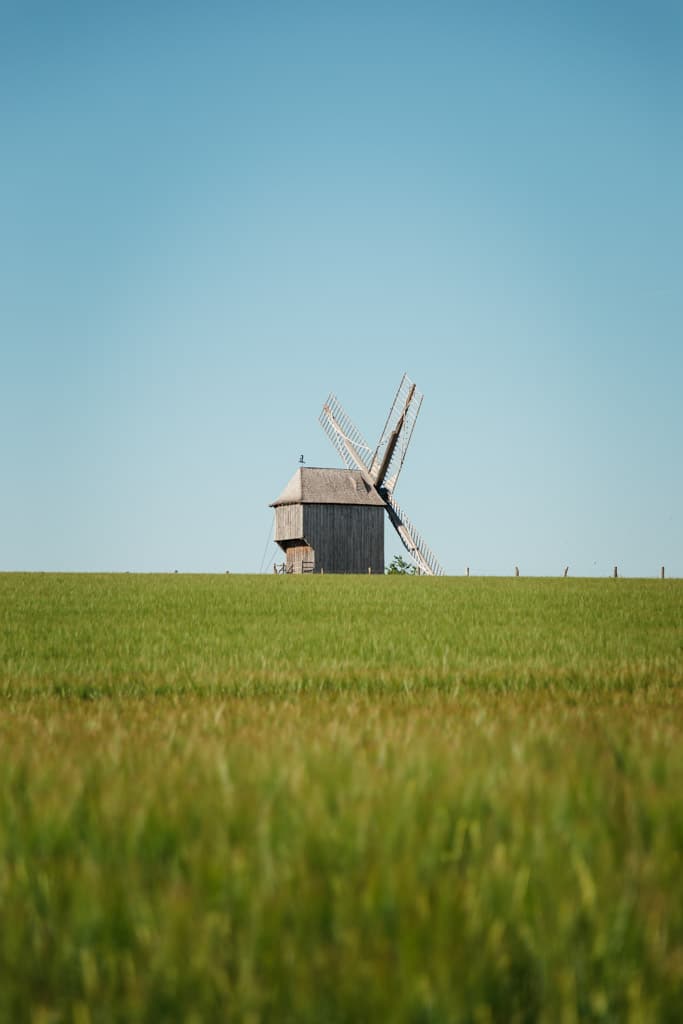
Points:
(398, 430)
(384, 465)
(418, 549)
(345, 437)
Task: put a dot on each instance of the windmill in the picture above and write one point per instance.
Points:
(380, 468)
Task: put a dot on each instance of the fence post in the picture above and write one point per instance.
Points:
(662, 573)
(566, 571)
(467, 571)
(616, 572)
(516, 570)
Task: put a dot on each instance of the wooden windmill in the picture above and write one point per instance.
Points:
(330, 520)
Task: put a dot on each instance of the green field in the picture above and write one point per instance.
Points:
(320, 799)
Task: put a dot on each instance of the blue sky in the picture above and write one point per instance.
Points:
(213, 214)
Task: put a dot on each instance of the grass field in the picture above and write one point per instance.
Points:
(320, 799)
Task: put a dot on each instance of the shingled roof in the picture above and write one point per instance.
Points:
(311, 486)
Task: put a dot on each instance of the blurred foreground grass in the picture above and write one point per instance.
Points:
(319, 799)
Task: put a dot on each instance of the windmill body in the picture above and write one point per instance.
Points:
(329, 520)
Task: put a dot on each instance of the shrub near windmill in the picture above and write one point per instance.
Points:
(332, 520)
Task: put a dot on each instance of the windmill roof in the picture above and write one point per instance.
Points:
(328, 487)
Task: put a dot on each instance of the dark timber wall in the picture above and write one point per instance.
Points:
(345, 538)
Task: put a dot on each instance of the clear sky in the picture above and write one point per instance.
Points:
(213, 214)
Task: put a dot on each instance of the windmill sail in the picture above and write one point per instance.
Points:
(398, 429)
(345, 437)
(381, 468)
(417, 548)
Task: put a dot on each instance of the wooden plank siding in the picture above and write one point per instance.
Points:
(345, 538)
(297, 554)
(289, 522)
